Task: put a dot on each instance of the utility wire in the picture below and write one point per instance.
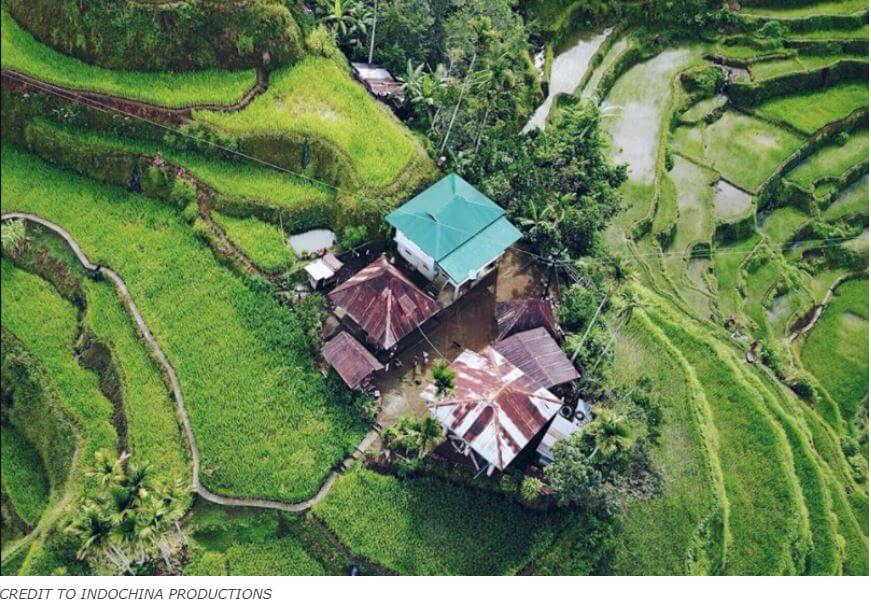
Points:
(106, 108)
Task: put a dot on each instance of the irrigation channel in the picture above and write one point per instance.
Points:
(105, 272)
(566, 73)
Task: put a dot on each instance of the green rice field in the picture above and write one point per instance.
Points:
(263, 242)
(315, 98)
(810, 111)
(264, 421)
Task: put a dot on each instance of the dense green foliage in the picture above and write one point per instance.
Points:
(243, 543)
(187, 35)
(263, 242)
(556, 183)
(810, 111)
(836, 351)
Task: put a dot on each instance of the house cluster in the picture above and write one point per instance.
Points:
(507, 397)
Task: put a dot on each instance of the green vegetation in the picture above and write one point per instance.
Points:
(836, 350)
(810, 111)
(244, 543)
(746, 149)
(315, 98)
(47, 325)
(426, 526)
(854, 199)
(777, 68)
(831, 7)
(24, 478)
(153, 433)
(831, 160)
(263, 242)
(265, 423)
(25, 54)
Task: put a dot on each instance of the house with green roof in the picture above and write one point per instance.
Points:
(453, 234)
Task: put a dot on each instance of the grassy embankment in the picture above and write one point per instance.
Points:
(25, 54)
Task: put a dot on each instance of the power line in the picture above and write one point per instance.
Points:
(106, 108)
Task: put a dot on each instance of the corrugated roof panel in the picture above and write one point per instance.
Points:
(464, 262)
(350, 359)
(539, 356)
(494, 406)
(384, 302)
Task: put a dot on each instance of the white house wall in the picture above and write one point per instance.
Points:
(415, 256)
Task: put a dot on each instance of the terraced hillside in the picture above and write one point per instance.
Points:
(182, 172)
(747, 214)
(150, 170)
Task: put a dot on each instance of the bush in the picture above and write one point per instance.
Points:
(443, 376)
(530, 489)
(354, 236)
(508, 484)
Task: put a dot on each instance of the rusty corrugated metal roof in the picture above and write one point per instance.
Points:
(384, 302)
(539, 356)
(495, 407)
(518, 316)
(350, 359)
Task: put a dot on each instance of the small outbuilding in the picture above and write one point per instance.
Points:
(525, 314)
(494, 410)
(559, 429)
(452, 234)
(383, 303)
(379, 81)
(322, 272)
(350, 359)
(537, 354)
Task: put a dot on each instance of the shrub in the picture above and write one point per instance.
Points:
(443, 376)
(310, 312)
(13, 237)
(354, 236)
(413, 437)
(508, 484)
(530, 489)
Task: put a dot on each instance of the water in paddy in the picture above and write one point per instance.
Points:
(731, 203)
(633, 111)
(312, 241)
(567, 71)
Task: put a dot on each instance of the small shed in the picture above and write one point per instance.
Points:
(350, 359)
(526, 314)
(379, 81)
(384, 303)
(322, 272)
(538, 355)
(494, 410)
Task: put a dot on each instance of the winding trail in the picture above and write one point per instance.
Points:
(145, 332)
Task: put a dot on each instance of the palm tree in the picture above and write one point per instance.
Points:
(430, 435)
(443, 377)
(609, 434)
(92, 528)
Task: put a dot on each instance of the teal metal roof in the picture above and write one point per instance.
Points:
(456, 225)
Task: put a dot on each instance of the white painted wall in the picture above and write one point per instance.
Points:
(415, 256)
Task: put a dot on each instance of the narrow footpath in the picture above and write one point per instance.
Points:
(161, 358)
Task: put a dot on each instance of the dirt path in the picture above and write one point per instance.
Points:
(22, 82)
(183, 416)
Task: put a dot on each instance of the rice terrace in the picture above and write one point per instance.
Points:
(414, 287)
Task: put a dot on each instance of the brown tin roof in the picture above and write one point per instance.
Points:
(350, 359)
(495, 407)
(384, 302)
(539, 356)
(518, 316)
